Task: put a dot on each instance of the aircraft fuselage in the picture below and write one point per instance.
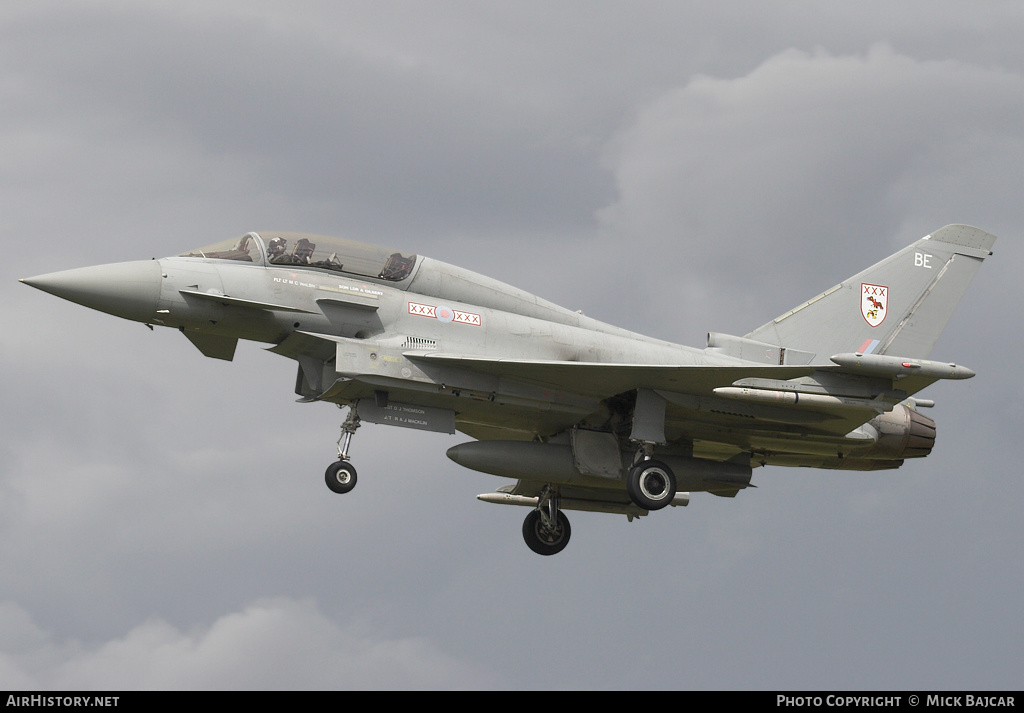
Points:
(579, 412)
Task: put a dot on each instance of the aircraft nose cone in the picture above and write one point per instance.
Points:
(125, 289)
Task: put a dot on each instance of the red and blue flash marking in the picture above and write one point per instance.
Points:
(868, 346)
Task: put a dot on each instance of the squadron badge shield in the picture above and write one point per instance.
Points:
(874, 300)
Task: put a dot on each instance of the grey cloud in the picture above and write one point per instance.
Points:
(284, 643)
(756, 174)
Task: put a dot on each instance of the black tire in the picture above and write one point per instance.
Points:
(651, 484)
(340, 476)
(546, 542)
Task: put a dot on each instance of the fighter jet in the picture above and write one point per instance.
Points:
(579, 414)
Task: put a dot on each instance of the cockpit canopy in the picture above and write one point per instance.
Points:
(316, 251)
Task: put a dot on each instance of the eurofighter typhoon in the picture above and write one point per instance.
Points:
(579, 414)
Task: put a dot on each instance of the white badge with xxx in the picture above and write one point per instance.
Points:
(874, 299)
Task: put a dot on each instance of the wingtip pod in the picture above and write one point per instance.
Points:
(898, 366)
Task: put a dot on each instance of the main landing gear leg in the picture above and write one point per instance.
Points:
(546, 529)
(341, 475)
(649, 483)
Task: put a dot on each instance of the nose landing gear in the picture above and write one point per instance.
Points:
(341, 475)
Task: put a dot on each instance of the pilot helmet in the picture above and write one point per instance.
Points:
(276, 247)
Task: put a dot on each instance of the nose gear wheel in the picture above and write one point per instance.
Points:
(340, 476)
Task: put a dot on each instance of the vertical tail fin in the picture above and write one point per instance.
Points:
(898, 306)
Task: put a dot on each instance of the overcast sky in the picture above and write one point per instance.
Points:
(668, 167)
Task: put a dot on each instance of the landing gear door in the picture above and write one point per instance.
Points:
(596, 453)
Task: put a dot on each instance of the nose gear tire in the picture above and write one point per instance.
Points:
(340, 476)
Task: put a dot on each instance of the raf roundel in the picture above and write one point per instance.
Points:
(444, 314)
